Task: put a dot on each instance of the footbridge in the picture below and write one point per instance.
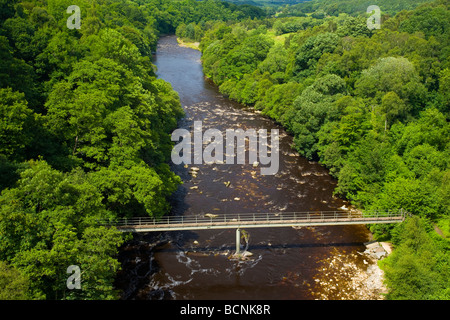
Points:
(256, 220)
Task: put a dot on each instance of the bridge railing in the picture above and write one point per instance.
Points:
(249, 218)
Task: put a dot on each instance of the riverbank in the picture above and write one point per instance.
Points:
(186, 44)
(366, 277)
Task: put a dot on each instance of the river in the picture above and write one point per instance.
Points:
(287, 263)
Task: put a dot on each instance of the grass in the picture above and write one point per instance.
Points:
(278, 39)
(186, 43)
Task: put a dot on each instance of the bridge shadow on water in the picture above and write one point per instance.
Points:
(184, 243)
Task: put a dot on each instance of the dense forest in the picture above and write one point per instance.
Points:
(84, 135)
(322, 8)
(85, 124)
(370, 105)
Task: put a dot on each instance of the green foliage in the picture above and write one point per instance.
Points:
(432, 21)
(394, 83)
(295, 24)
(278, 99)
(46, 223)
(190, 32)
(85, 136)
(418, 269)
(444, 84)
(15, 120)
(275, 63)
(16, 73)
(353, 7)
(311, 110)
(170, 15)
(310, 52)
(13, 285)
(336, 139)
(241, 53)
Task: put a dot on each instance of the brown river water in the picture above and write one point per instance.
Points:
(287, 263)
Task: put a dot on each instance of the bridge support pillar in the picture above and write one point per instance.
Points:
(238, 241)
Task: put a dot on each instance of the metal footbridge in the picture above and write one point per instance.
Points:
(256, 220)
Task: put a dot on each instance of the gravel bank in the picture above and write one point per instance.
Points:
(353, 276)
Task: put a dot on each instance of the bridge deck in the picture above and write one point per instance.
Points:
(256, 220)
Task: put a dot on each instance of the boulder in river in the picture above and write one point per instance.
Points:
(194, 171)
(375, 250)
(247, 254)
